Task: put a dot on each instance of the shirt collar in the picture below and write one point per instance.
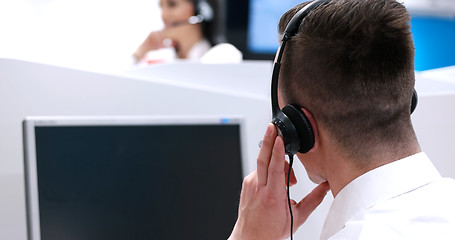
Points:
(377, 185)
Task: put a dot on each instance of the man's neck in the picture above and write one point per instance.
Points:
(343, 170)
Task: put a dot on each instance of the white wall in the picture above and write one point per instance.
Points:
(76, 33)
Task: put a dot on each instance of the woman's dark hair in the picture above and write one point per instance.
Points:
(210, 29)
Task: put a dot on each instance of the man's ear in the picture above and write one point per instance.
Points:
(314, 125)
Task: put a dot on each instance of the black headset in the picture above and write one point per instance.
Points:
(204, 13)
(292, 123)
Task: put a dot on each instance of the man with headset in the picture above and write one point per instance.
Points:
(343, 99)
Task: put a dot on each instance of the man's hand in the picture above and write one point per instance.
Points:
(263, 210)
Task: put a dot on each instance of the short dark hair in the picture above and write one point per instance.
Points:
(351, 64)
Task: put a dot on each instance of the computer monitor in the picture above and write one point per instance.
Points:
(134, 177)
(252, 26)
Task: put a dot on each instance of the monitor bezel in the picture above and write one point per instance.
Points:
(236, 29)
(30, 167)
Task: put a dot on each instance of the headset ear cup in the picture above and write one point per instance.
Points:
(205, 10)
(302, 125)
(414, 101)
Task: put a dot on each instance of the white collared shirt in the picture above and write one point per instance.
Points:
(405, 199)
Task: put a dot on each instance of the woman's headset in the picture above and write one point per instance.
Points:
(292, 123)
(204, 13)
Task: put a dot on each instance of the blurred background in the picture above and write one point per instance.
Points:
(77, 33)
(104, 34)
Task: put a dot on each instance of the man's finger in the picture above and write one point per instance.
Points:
(308, 204)
(275, 178)
(265, 154)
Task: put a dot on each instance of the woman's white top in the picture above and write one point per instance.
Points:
(201, 51)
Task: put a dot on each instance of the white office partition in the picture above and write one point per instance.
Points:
(31, 89)
(434, 117)
(181, 88)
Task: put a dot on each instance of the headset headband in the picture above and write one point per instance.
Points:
(290, 30)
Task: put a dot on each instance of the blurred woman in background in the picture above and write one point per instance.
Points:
(191, 29)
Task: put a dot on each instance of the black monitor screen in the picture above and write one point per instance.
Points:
(252, 25)
(138, 182)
